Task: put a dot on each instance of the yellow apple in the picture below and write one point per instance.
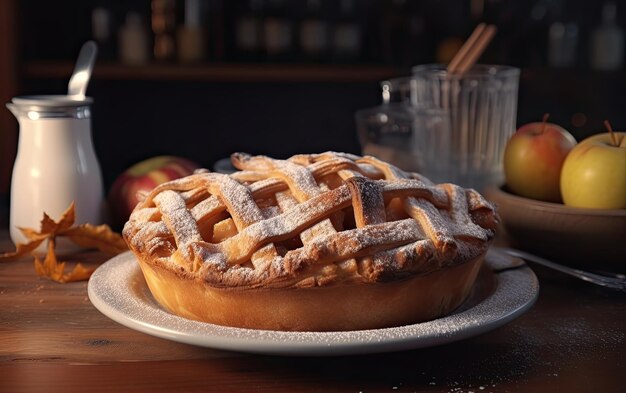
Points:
(533, 158)
(594, 173)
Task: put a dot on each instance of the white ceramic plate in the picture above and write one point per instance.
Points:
(504, 290)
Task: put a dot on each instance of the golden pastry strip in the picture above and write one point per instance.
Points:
(326, 217)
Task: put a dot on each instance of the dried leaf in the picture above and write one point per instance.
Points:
(50, 267)
(79, 273)
(86, 235)
(32, 234)
(67, 219)
(48, 228)
(53, 228)
(47, 225)
(20, 250)
(100, 237)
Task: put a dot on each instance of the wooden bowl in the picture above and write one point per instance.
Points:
(586, 238)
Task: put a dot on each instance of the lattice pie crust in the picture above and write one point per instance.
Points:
(326, 241)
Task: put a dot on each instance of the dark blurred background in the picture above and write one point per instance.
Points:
(202, 79)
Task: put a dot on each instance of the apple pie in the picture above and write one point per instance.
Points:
(317, 242)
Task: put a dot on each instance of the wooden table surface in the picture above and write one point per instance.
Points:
(53, 340)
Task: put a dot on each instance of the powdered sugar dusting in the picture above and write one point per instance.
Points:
(240, 202)
(325, 227)
(207, 207)
(300, 180)
(441, 214)
(300, 216)
(357, 241)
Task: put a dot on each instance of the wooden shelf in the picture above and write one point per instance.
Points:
(217, 72)
(265, 72)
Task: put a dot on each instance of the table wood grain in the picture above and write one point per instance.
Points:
(53, 340)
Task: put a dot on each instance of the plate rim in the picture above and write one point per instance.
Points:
(131, 312)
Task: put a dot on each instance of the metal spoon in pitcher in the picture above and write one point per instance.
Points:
(77, 86)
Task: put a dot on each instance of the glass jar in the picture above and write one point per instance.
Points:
(385, 131)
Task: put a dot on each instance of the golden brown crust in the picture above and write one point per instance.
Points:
(318, 224)
(326, 308)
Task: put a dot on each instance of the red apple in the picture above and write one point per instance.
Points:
(141, 178)
(533, 158)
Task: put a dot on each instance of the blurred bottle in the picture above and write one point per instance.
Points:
(134, 46)
(164, 29)
(248, 31)
(313, 32)
(607, 41)
(190, 36)
(562, 44)
(278, 31)
(102, 32)
(347, 35)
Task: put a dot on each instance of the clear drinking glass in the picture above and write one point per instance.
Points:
(482, 108)
(431, 142)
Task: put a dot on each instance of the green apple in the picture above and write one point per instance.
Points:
(594, 173)
(533, 158)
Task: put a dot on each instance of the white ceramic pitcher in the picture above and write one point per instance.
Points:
(55, 164)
